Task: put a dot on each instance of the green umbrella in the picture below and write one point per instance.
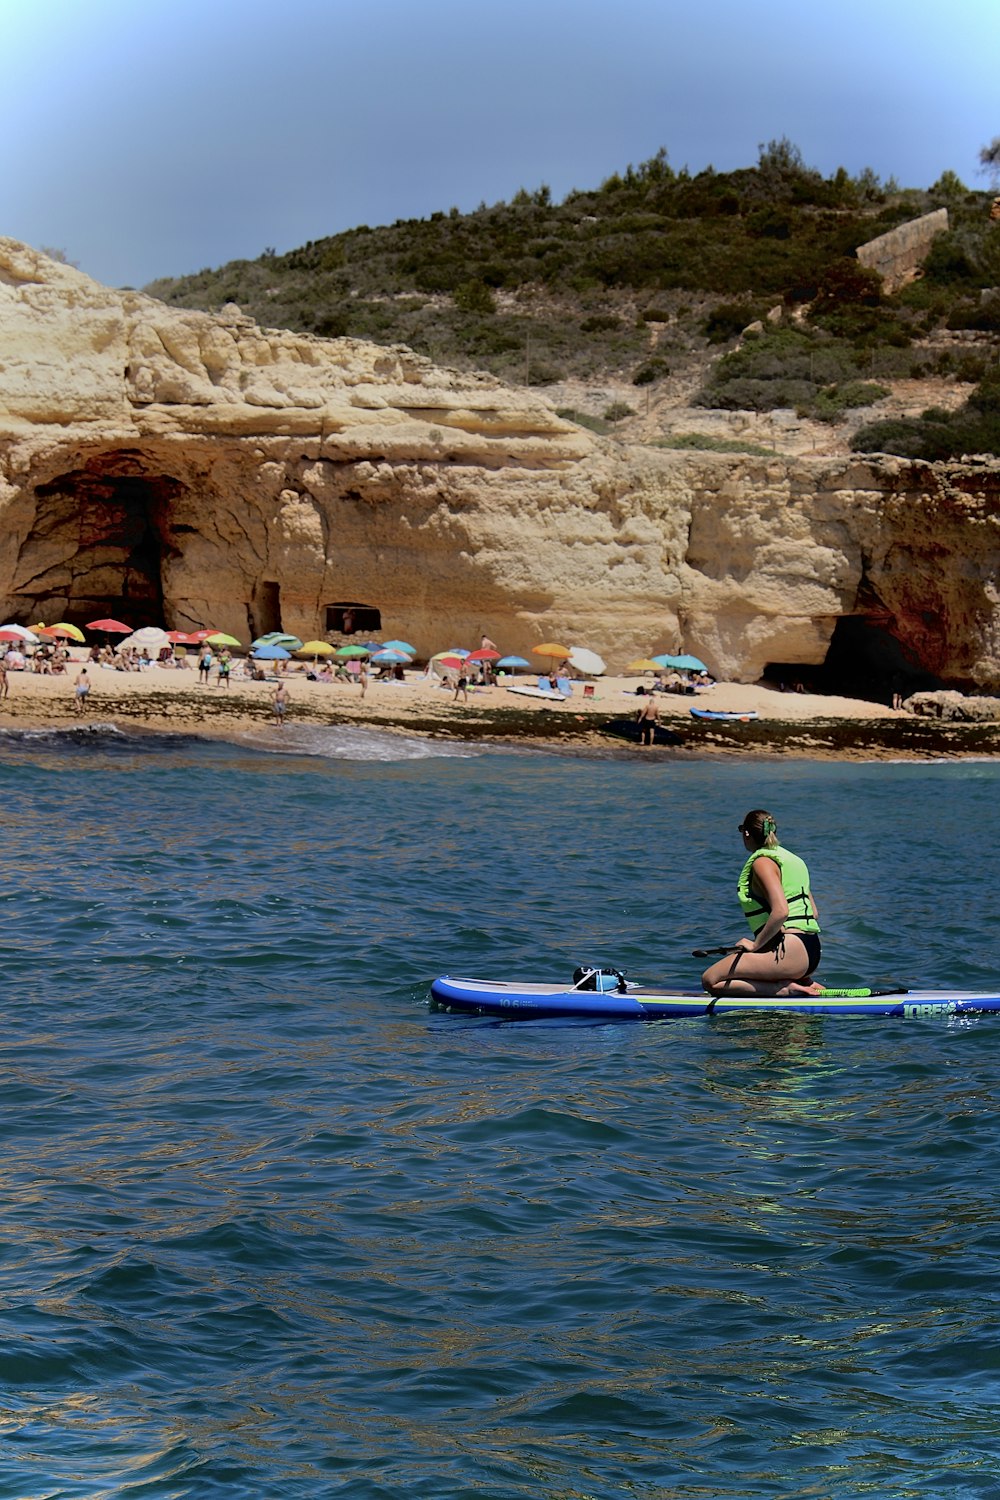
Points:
(352, 651)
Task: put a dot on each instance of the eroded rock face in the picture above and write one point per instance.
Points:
(180, 468)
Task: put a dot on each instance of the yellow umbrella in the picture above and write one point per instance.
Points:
(550, 650)
(218, 638)
(642, 665)
(315, 648)
(65, 630)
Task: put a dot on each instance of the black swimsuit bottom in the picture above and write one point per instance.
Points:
(810, 941)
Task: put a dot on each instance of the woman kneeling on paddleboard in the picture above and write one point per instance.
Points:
(784, 951)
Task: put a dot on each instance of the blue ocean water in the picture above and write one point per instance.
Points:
(272, 1228)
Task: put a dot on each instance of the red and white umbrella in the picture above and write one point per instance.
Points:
(181, 638)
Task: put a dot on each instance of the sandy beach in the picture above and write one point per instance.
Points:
(803, 724)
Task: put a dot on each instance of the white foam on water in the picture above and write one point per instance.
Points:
(348, 742)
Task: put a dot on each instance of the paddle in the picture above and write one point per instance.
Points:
(710, 952)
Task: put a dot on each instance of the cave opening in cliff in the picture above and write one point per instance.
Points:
(353, 619)
(863, 660)
(98, 544)
(264, 609)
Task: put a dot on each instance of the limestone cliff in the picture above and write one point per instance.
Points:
(195, 470)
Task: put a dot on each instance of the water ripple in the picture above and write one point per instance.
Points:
(272, 1228)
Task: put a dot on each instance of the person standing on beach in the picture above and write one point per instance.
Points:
(647, 719)
(205, 664)
(81, 688)
(225, 666)
(462, 687)
(279, 702)
(363, 679)
(4, 684)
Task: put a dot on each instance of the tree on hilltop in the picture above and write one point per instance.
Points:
(989, 160)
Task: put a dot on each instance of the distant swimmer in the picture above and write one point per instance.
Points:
(784, 951)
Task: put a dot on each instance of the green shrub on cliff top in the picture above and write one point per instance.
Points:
(746, 238)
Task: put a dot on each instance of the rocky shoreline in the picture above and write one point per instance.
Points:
(225, 715)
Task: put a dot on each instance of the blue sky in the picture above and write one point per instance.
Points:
(151, 138)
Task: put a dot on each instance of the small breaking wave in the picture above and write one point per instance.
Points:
(347, 742)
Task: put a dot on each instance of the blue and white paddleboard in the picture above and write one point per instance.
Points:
(517, 1000)
(725, 715)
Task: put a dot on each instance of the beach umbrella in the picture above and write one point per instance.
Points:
(219, 638)
(399, 646)
(11, 636)
(22, 633)
(484, 654)
(681, 663)
(278, 638)
(149, 635)
(513, 661)
(644, 664)
(316, 648)
(181, 638)
(66, 632)
(386, 658)
(559, 652)
(450, 663)
(203, 635)
(271, 653)
(110, 627)
(352, 652)
(586, 661)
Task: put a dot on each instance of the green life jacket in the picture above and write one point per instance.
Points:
(794, 883)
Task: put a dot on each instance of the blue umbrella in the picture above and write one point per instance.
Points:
(400, 646)
(680, 663)
(271, 653)
(513, 661)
